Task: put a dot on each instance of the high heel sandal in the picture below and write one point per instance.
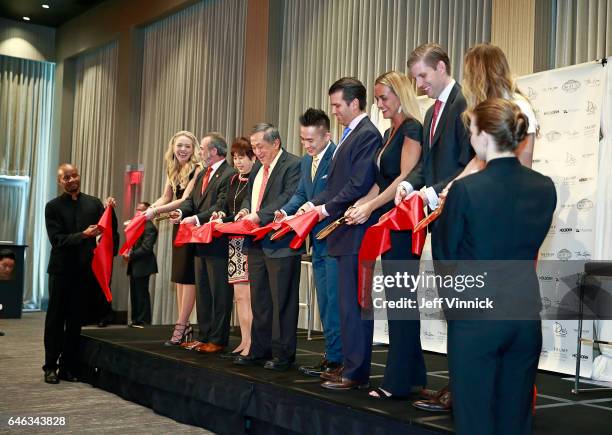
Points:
(182, 333)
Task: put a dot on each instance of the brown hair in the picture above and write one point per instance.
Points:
(242, 147)
(431, 54)
(503, 120)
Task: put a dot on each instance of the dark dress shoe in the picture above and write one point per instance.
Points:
(51, 377)
(444, 403)
(229, 355)
(278, 365)
(345, 384)
(316, 371)
(137, 325)
(67, 376)
(249, 360)
(191, 345)
(427, 394)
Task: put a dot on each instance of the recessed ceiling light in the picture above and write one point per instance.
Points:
(45, 6)
(26, 18)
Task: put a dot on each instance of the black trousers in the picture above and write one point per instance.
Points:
(140, 299)
(65, 314)
(214, 298)
(275, 284)
(492, 366)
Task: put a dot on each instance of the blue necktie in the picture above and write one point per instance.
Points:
(344, 134)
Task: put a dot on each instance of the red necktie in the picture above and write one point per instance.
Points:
(434, 120)
(205, 180)
(264, 181)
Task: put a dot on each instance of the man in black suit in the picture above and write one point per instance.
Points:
(214, 294)
(446, 152)
(141, 265)
(446, 145)
(274, 268)
(350, 177)
(72, 226)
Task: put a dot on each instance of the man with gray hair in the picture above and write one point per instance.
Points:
(214, 295)
(274, 268)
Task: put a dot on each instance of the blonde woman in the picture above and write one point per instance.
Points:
(486, 74)
(401, 151)
(182, 168)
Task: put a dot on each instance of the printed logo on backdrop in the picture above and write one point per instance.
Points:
(570, 159)
(583, 255)
(531, 93)
(571, 86)
(553, 136)
(591, 108)
(559, 330)
(592, 83)
(584, 204)
(564, 254)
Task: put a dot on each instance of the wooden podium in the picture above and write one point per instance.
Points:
(11, 284)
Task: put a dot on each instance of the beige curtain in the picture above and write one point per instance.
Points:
(93, 125)
(192, 80)
(324, 40)
(583, 31)
(26, 106)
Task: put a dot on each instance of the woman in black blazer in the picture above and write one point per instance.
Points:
(500, 215)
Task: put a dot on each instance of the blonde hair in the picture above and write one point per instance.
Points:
(401, 86)
(179, 176)
(486, 74)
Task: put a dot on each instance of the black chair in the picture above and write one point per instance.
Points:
(589, 286)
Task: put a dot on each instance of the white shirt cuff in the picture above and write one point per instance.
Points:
(407, 187)
(197, 220)
(324, 211)
(432, 198)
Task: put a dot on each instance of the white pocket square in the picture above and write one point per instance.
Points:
(324, 176)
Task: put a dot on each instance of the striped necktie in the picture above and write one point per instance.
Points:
(313, 167)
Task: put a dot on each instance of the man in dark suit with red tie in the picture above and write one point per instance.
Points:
(214, 295)
(274, 268)
(350, 177)
(446, 152)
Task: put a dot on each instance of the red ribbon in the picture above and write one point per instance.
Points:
(377, 241)
(184, 234)
(243, 227)
(102, 262)
(133, 231)
(302, 225)
(204, 233)
(260, 232)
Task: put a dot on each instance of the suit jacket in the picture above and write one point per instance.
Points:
(501, 216)
(281, 185)
(204, 204)
(350, 176)
(450, 150)
(309, 188)
(142, 259)
(65, 220)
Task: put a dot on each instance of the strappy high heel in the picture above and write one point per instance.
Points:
(182, 333)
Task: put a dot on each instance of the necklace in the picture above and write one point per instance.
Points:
(241, 186)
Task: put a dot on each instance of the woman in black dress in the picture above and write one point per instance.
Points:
(238, 274)
(394, 161)
(182, 167)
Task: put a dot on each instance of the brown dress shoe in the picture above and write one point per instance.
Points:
(334, 375)
(427, 394)
(444, 403)
(345, 384)
(209, 348)
(191, 345)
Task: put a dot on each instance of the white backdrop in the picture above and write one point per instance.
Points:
(568, 103)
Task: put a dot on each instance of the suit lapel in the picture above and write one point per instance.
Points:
(212, 183)
(307, 170)
(342, 147)
(277, 167)
(323, 168)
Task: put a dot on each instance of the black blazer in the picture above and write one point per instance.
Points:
(451, 150)
(65, 220)
(281, 185)
(142, 259)
(499, 215)
(351, 175)
(203, 205)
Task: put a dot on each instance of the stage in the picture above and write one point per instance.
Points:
(207, 391)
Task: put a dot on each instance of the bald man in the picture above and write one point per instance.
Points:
(71, 221)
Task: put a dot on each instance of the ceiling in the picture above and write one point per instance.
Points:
(58, 13)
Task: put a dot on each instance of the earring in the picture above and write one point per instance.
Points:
(399, 109)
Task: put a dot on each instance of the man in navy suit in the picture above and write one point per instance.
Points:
(350, 177)
(446, 152)
(315, 138)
